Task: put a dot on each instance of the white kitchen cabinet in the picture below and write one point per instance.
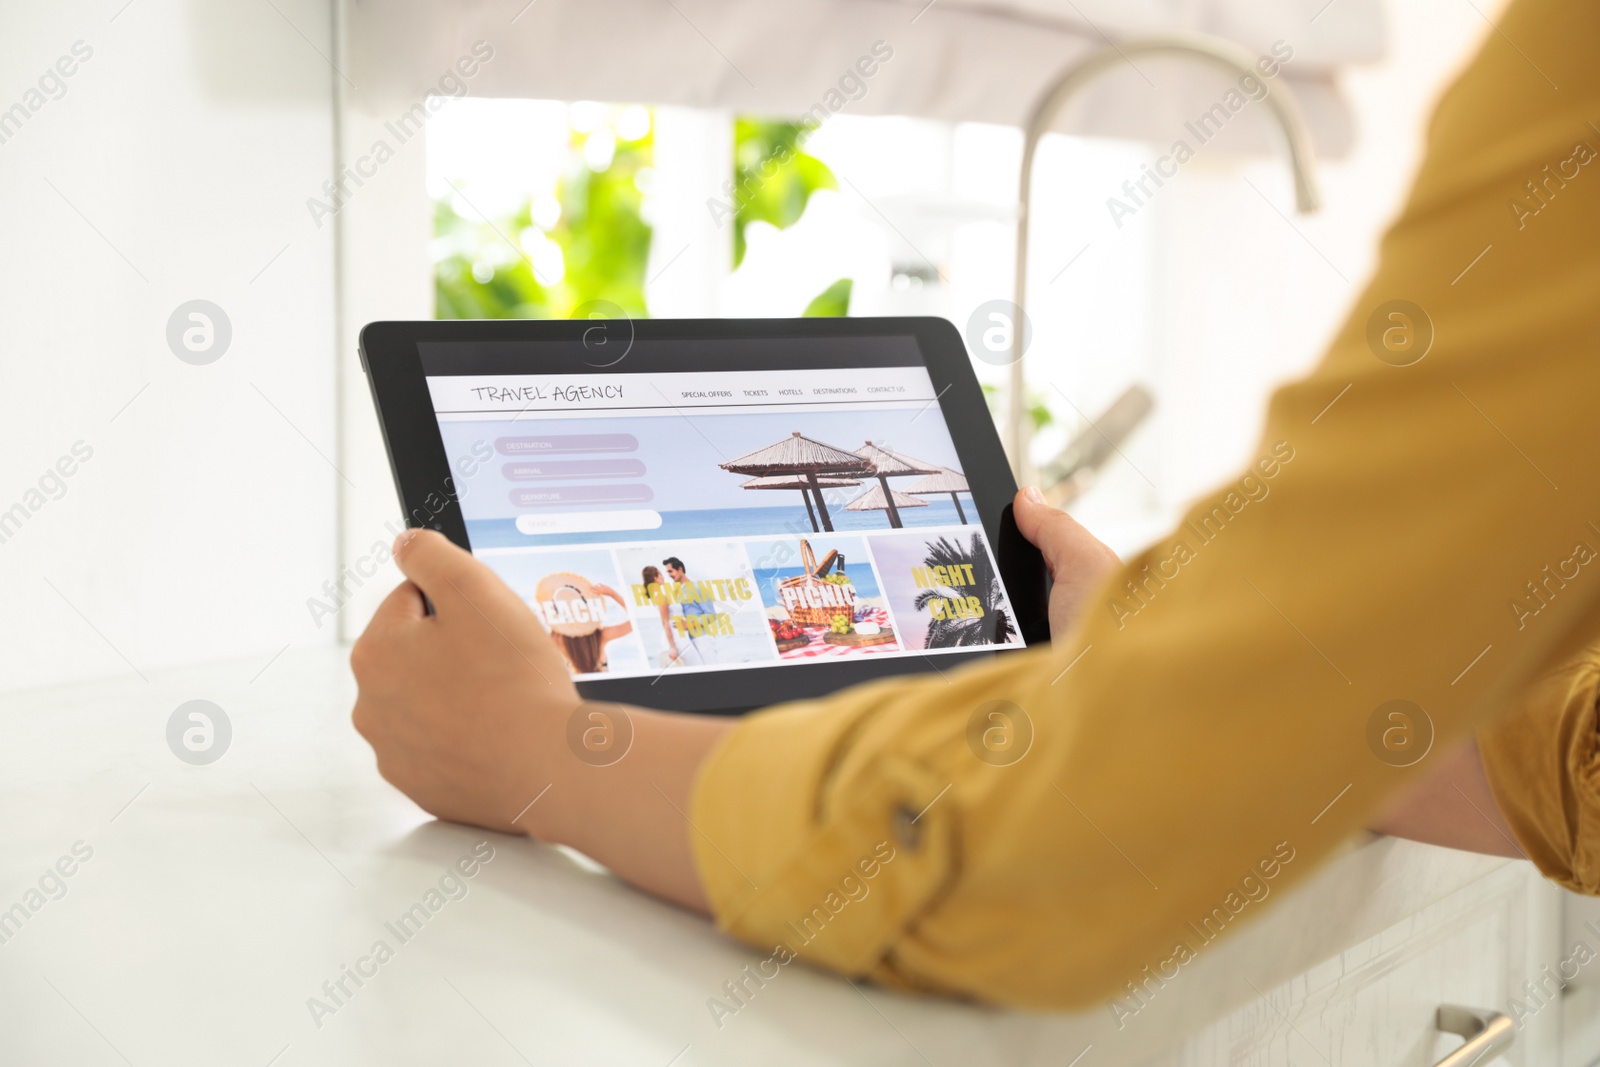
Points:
(1374, 1003)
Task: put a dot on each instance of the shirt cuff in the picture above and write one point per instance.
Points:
(1544, 770)
(831, 876)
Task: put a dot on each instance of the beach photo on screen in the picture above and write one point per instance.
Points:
(822, 598)
(664, 477)
(695, 604)
(579, 596)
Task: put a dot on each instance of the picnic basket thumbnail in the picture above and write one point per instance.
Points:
(815, 588)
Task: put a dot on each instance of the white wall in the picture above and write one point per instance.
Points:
(181, 156)
(384, 273)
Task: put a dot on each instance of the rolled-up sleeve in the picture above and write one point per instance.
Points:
(1544, 769)
(1413, 544)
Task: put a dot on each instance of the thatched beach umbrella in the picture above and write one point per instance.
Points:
(801, 456)
(885, 465)
(794, 481)
(946, 481)
(875, 500)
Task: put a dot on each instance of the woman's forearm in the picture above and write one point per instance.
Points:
(632, 814)
(1453, 807)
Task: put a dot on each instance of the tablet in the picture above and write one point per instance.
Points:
(715, 515)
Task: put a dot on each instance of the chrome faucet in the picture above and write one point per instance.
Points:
(1212, 50)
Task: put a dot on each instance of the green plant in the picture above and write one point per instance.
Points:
(832, 302)
(773, 176)
(1039, 412)
(484, 270)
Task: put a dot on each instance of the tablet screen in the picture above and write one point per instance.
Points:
(759, 513)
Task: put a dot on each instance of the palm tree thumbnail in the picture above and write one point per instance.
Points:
(993, 626)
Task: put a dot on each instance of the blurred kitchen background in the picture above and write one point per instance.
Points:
(193, 155)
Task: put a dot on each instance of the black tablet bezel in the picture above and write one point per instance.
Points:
(392, 360)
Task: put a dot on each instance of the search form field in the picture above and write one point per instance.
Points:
(545, 470)
(558, 495)
(566, 444)
(588, 522)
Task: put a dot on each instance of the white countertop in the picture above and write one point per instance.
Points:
(219, 898)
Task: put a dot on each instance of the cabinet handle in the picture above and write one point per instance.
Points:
(1488, 1034)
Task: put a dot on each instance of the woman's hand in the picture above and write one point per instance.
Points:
(472, 714)
(1078, 561)
(464, 708)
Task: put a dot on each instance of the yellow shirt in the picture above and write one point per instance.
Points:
(1225, 721)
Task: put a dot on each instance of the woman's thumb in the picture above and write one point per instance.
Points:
(1066, 545)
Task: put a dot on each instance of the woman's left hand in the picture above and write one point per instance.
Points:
(466, 708)
(470, 713)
